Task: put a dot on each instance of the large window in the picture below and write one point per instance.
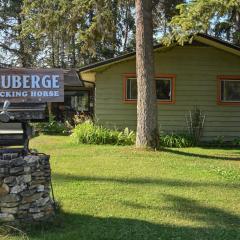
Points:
(77, 101)
(229, 90)
(164, 88)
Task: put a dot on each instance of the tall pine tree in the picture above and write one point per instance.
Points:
(15, 49)
(147, 123)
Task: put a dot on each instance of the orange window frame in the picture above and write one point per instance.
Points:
(157, 76)
(219, 94)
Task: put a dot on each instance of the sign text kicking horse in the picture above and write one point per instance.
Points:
(31, 85)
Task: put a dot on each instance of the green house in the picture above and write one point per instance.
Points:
(205, 73)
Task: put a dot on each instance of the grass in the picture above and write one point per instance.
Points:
(115, 192)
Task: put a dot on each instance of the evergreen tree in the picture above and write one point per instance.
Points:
(79, 32)
(60, 33)
(15, 49)
(217, 17)
(163, 11)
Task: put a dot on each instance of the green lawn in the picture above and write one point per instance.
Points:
(111, 192)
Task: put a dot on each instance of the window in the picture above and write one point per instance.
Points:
(77, 101)
(164, 88)
(131, 89)
(229, 90)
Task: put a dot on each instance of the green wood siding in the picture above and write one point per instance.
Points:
(196, 70)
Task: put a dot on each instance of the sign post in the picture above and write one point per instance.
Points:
(25, 93)
(29, 90)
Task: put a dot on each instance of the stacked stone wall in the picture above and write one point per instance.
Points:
(25, 188)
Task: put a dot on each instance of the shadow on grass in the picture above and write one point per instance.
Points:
(220, 225)
(204, 156)
(192, 210)
(142, 181)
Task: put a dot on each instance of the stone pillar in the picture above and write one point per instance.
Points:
(25, 188)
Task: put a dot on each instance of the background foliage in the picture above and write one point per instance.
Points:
(60, 33)
(90, 133)
(219, 18)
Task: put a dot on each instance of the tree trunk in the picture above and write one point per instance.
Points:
(147, 124)
(62, 51)
(52, 51)
(57, 58)
(115, 20)
(127, 6)
(73, 51)
(23, 56)
(236, 38)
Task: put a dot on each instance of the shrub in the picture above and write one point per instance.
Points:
(80, 118)
(219, 141)
(178, 141)
(89, 133)
(51, 127)
(236, 141)
(195, 124)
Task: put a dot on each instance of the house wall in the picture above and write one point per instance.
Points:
(196, 69)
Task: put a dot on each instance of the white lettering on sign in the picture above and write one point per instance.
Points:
(31, 85)
(5, 82)
(35, 81)
(55, 81)
(29, 81)
(26, 83)
(13, 94)
(16, 81)
(30, 94)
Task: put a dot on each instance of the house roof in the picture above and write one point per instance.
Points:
(71, 78)
(200, 37)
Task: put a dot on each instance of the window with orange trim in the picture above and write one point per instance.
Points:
(164, 87)
(229, 90)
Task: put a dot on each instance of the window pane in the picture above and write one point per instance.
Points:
(77, 101)
(230, 90)
(163, 87)
(132, 89)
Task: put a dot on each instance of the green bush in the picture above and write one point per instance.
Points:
(236, 142)
(51, 127)
(221, 142)
(195, 124)
(176, 140)
(90, 133)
